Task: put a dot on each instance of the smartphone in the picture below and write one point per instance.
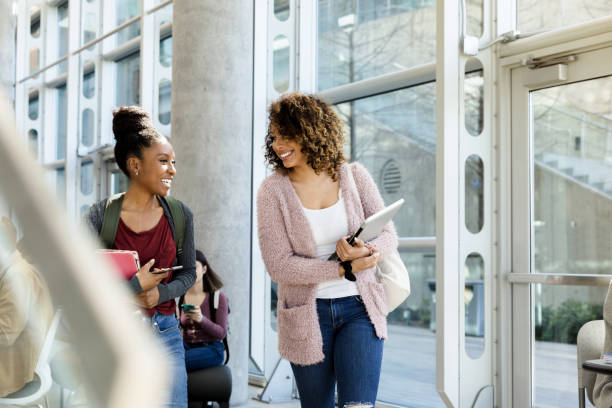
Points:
(164, 270)
(186, 307)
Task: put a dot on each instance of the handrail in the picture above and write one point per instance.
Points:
(417, 244)
(560, 279)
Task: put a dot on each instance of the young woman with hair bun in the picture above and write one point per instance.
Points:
(146, 225)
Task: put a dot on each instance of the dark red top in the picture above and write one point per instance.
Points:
(155, 243)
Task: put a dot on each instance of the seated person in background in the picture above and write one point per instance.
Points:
(25, 313)
(602, 392)
(203, 333)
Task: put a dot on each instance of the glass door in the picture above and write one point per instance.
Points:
(561, 160)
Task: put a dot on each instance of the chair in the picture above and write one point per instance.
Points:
(36, 390)
(590, 343)
(212, 384)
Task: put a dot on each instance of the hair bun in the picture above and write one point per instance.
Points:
(130, 120)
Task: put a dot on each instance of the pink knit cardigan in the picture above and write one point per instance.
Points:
(289, 253)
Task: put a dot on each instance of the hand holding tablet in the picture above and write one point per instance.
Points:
(373, 225)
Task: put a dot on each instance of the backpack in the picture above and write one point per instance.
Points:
(112, 212)
(213, 304)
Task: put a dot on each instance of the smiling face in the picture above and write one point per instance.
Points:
(156, 168)
(289, 151)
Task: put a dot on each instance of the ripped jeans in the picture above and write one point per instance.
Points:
(353, 356)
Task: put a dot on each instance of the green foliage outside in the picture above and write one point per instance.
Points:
(561, 325)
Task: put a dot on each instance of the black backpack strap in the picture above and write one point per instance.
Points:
(178, 218)
(110, 221)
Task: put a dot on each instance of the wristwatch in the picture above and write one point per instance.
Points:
(348, 270)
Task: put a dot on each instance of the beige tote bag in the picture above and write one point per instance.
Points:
(391, 271)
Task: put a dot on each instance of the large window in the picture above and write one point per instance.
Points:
(125, 10)
(562, 201)
(360, 39)
(394, 136)
(128, 81)
(69, 137)
(572, 141)
(535, 15)
(573, 177)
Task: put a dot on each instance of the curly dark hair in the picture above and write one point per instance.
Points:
(134, 131)
(312, 123)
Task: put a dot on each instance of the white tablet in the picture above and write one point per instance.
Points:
(373, 225)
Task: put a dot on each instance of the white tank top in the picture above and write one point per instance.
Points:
(328, 226)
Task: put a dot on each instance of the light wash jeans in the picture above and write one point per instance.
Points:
(353, 357)
(167, 328)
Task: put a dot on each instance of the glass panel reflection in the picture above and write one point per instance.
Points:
(281, 9)
(118, 183)
(165, 89)
(475, 13)
(62, 36)
(572, 177)
(90, 11)
(33, 104)
(559, 312)
(165, 52)
(127, 87)
(361, 39)
(474, 194)
(535, 15)
(87, 177)
(60, 152)
(125, 10)
(35, 21)
(394, 136)
(33, 141)
(473, 94)
(408, 369)
(474, 305)
(280, 71)
(89, 84)
(60, 183)
(87, 128)
(34, 59)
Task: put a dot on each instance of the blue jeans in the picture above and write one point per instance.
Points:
(166, 326)
(199, 357)
(353, 356)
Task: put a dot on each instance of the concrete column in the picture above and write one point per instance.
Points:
(8, 24)
(212, 83)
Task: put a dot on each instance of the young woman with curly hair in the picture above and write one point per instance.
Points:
(331, 315)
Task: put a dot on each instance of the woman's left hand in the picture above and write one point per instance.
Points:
(195, 314)
(346, 252)
(148, 299)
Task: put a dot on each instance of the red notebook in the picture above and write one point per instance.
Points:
(126, 262)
